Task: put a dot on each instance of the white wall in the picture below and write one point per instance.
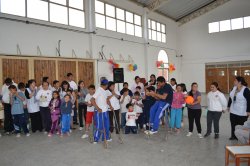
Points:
(199, 47)
(29, 36)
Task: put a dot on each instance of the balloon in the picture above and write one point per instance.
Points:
(135, 67)
(189, 100)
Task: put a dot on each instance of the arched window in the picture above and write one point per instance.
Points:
(163, 70)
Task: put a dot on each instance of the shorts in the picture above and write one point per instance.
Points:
(89, 117)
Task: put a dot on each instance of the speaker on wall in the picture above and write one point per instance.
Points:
(118, 75)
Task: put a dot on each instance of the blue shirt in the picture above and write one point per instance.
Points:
(66, 109)
(17, 104)
(166, 89)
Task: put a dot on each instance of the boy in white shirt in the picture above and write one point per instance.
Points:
(44, 96)
(90, 110)
(137, 103)
(124, 100)
(72, 83)
(99, 101)
(131, 117)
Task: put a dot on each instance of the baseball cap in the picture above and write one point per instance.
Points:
(104, 82)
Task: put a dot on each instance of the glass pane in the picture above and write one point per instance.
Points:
(149, 34)
(213, 27)
(149, 24)
(16, 7)
(159, 36)
(120, 14)
(153, 35)
(37, 9)
(76, 18)
(58, 14)
(221, 73)
(99, 7)
(129, 17)
(163, 37)
(100, 21)
(137, 19)
(153, 24)
(110, 10)
(247, 72)
(130, 29)
(163, 28)
(225, 25)
(121, 26)
(138, 31)
(63, 2)
(237, 23)
(158, 26)
(111, 24)
(76, 4)
(247, 22)
(234, 73)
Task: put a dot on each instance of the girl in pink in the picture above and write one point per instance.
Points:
(54, 106)
(176, 109)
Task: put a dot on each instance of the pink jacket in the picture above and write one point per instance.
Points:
(178, 100)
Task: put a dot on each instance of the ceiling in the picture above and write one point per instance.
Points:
(174, 9)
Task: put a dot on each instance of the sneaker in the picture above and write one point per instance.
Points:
(182, 124)
(70, 131)
(49, 135)
(7, 133)
(18, 135)
(80, 128)
(146, 132)
(95, 142)
(58, 133)
(28, 134)
(85, 136)
(153, 132)
(216, 136)
(200, 135)
(189, 134)
(45, 132)
(109, 140)
(207, 134)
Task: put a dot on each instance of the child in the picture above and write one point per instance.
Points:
(131, 117)
(82, 107)
(90, 110)
(44, 96)
(21, 87)
(66, 110)
(138, 89)
(16, 101)
(125, 99)
(56, 86)
(137, 103)
(73, 101)
(54, 106)
(176, 109)
(148, 102)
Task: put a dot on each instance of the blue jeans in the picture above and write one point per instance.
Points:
(156, 113)
(175, 117)
(100, 119)
(65, 123)
(123, 119)
(20, 123)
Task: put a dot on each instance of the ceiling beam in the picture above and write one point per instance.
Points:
(156, 4)
(201, 11)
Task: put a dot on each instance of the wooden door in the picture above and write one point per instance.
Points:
(44, 68)
(233, 72)
(65, 67)
(86, 72)
(16, 69)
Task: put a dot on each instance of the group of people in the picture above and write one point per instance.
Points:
(59, 107)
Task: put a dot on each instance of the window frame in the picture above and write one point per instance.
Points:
(150, 30)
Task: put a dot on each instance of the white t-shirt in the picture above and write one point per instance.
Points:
(44, 97)
(113, 100)
(101, 99)
(134, 85)
(87, 100)
(73, 85)
(130, 118)
(127, 99)
(137, 108)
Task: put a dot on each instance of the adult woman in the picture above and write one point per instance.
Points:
(194, 110)
(217, 103)
(173, 83)
(82, 107)
(238, 104)
(137, 83)
(64, 88)
(33, 106)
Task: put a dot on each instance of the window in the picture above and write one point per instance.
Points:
(15, 7)
(116, 19)
(156, 31)
(68, 12)
(163, 70)
(37, 9)
(227, 25)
